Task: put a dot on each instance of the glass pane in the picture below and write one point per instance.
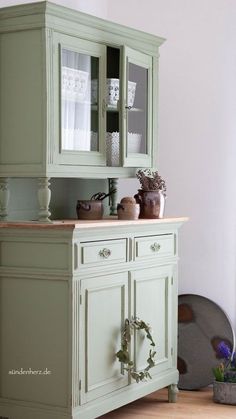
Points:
(112, 104)
(79, 97)
(137, 111)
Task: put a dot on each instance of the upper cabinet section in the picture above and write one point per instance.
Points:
(78, 94)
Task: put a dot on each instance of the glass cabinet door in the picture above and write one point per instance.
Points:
(80, 80)
(137, 121)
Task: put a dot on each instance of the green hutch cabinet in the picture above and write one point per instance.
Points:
(78, 98)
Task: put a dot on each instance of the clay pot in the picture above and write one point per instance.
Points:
(127, 211)
(151, 203)
(89, 210)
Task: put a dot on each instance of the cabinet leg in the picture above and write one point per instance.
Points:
(4, 198)
(44, 196)
(172, 393)
(113, 184)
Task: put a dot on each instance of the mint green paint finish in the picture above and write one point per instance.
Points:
(153, 301)
(68, 317)
(104, 308)
(74, 44)
(30, 100)
(31, 37)
(144, 61)
(154, 246)
(4, 198)
(22, 114)
(28, 305)
(103, 252)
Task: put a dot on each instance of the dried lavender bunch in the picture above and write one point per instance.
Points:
(150, 180)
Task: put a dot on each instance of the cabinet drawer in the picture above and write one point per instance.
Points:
(103, 252)
(154, 246)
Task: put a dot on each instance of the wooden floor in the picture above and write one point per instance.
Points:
(191, 404)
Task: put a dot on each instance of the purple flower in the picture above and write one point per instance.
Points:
(223, 350)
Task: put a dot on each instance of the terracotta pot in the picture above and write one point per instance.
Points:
(89, 210)
(127, 211)
(151, 203)
(224, 392)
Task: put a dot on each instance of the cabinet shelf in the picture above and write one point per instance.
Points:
(110, 108)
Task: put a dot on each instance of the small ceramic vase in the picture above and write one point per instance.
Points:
(89, 210)
(152, 203)
(128, 209)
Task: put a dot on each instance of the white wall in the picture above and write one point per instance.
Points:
(197, 129)
(197, 133)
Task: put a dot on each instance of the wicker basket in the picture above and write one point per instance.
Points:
(113, 146)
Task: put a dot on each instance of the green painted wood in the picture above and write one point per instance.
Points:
(144, 61)
(104, 309)
(103, 252)
(69, 318)
(33, 15)
(153, 304)
(30, 35)
(155, 113)
(66, 157)
(29, 254)
(37, 311)
(154, 246)
(4, 198)
(22, 114)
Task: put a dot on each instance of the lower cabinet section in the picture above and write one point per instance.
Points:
(69, 318)
(106, 302)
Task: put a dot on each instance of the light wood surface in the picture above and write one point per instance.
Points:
(191, 404)
(106, 222)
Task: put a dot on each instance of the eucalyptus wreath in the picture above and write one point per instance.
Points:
(124, 356)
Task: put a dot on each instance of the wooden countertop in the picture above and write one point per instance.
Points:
(74, 224)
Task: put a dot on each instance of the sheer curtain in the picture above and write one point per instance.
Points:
(75, 103)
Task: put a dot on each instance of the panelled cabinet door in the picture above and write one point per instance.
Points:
(79, 102)
(104, 309)
(137, 109)
(153, 303)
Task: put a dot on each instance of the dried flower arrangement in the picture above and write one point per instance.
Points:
(226, 370)
(150, 180)
(123, 354)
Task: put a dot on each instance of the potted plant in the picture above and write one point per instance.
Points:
(224, 386)
(151, 196)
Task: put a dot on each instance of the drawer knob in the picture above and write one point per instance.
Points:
(105, 253)
(155, 247)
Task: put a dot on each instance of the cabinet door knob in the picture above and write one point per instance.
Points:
(155, 247)
(105, 253)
